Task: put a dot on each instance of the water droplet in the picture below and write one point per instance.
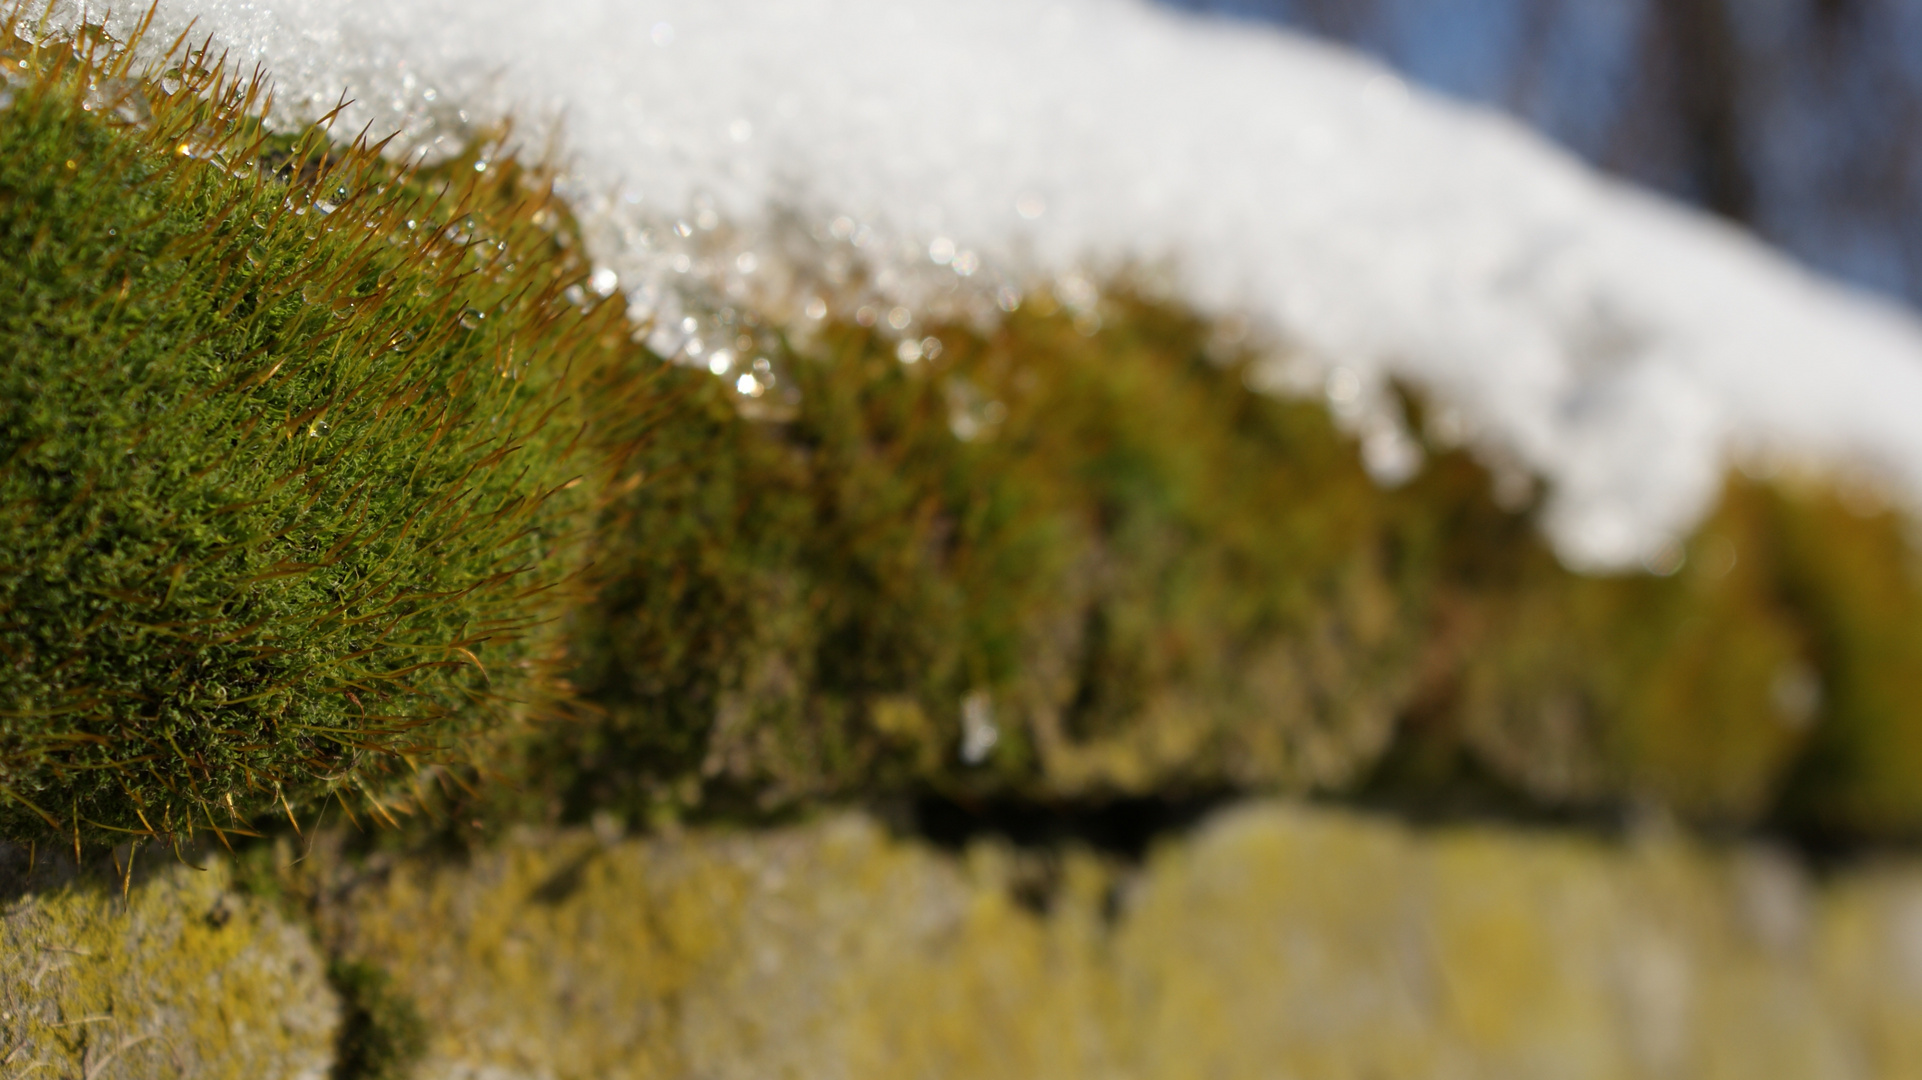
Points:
(1390, 457)
(747, 262)
(865, 315)
(1665, 560)
(908, 352)
(817, 308)
(170, 82)
(575, 295)
(1796, 692)
(941, 251)
(1718, 557)
(748, 385)
(131, 106)
(1078, 292)
(1513, 487)
(1344, 387)
(900, 317)
(313, 292)
(979, 734)
(1447, 427)
(662, 340)
(471, 318)
(604, 281)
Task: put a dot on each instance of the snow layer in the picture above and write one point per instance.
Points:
(1619, 346)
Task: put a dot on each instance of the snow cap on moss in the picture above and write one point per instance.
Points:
(1620, 347)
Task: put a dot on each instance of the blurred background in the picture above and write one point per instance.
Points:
(1799, 119)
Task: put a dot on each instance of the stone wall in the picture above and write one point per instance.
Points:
(1275, 940)
(180, 976)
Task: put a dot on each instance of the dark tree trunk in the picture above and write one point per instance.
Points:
(1706, 61)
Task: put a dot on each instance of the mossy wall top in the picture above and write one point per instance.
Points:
(314, 470)
(1149, 578)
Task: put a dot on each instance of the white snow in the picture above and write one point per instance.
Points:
(1620, 347)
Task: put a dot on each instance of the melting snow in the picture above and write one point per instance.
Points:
(1617, 345)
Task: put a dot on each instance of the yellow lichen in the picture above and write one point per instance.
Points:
(1275, 940)
(181, 978)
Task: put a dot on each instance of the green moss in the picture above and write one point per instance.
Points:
(284, 454)
(1129, 559)
(1590, 689)
(1156, 579)
(382, 1036)
(1853, 576)
(287, 486)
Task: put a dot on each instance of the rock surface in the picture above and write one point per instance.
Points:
(181, 978)
(1276, 940)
